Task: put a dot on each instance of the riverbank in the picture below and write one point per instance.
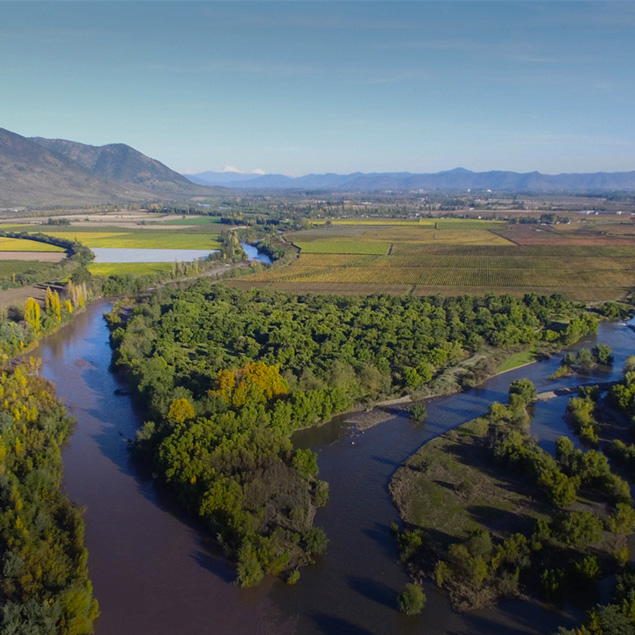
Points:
(486, 521)
(45, 586)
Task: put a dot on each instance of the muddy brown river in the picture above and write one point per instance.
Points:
(155, 572)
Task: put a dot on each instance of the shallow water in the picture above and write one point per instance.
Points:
(254, 254)
(154, 572)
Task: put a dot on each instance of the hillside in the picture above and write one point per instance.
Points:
(122, 164)
(41, 172)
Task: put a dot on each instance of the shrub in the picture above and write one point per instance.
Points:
(412, 599)
(418, 412)
(409, 543)
(552, 583)
(521, 392)
(578, 528)
(603, 354)
(315, 541)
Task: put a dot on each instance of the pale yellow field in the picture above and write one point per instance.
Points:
(123, 268)
(88, 238)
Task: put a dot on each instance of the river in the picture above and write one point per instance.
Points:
(154, 571)
(255, 255)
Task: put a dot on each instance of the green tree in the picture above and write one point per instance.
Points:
(521, 392)
(418, 411)
(412, 599)
(603, 353)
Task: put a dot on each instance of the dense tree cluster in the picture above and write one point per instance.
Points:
(228, 375)
(367, 346)
(584, 360)
(44, 587)
(580, 412)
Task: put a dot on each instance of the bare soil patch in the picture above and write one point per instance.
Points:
(42, 256)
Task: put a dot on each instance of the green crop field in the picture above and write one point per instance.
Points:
(9, 267)
(155, 240)
(134, 268)
(193, 220)
(131, 239)
(20, 244)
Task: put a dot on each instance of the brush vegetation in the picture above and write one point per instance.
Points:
(490, 515)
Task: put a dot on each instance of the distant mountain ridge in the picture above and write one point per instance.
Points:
(223, 179)
(42, 172)
(457, 180)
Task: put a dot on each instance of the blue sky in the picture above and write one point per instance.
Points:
(299, 87)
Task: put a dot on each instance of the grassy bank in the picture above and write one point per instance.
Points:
(490, 515)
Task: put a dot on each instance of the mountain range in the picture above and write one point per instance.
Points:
(222, 179)
(40, 172)
(457, 180)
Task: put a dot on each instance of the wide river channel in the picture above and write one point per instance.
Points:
(154, 571)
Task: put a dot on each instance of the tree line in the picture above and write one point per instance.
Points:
(44, 587)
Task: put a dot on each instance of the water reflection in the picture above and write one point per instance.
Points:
(255, 255)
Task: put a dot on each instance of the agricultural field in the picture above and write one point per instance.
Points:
(343, 247)
(198, 238)
(581, 234)
(18, 267)
(440, 223)
(455, 260)
(193, 220)
(124, 268)
(19, 244)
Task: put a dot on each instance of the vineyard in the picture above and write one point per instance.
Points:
(455, 276)
(409, 259)
(343, 247)
(442, 223)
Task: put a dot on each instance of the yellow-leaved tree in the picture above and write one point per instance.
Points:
(253, 383)
(32, 315)
(180, 410)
